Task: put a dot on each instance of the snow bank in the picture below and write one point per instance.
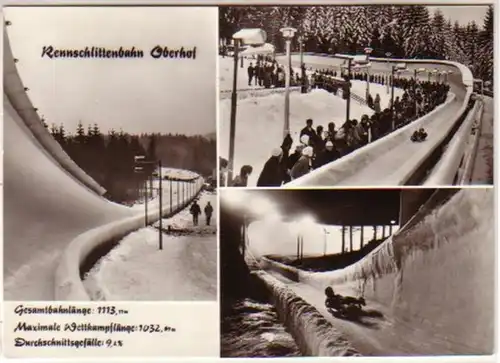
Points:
(68, 283)
(348, 166)
(436, 277)
(259, 123)
(314, 335)
(186, 268)
(16, 99)
(289, 272)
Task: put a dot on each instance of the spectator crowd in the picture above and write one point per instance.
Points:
(318, 146)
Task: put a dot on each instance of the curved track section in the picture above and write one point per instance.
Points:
(430, 288)
(47, 203)
(389, 165)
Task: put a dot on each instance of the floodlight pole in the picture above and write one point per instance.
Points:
(286, 126)
(388, 54)
(161, 206)
(171, 207)
(232, 127)
(348, 98)
(393, 70)
(368, 51)
(146, 197)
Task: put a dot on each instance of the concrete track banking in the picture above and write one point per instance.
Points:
(388, 166)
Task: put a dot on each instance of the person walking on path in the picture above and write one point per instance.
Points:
(195, 212)
(208, 212)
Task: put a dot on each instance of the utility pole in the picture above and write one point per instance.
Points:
(171, 207)
(232, 127)
(348, 88)
(161, 206)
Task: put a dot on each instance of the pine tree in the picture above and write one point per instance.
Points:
(437, 44)
(471, 40)
(80, 134)
(486, 62)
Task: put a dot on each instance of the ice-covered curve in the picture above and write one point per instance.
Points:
(433, 281)
(48, 200)
(385, 164)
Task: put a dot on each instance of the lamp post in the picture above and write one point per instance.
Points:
(348, 88)
(415, 74)
(160, 191)
(232, 127)
(388, 55)
(395, 68)
(302, 66)
(252, 37)
(368, 51)
(326, 233)
(171, 201)
(393, 71)
(288, 34)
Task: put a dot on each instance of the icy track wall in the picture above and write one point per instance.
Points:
(16, 94)
(347, 166)
(68, 279)
(436, 277)
(314, 335)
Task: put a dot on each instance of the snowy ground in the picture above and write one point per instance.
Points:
(186, 268)
(259, 121)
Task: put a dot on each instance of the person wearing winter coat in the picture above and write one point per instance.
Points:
(376, 103)
(208, 212)
(223, 164)
(272, 173)
(293, 158)
(195, 211)
(303, 165)
(326, 156)
(242, 179)
(308, 130)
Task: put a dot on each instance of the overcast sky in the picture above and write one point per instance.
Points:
(136, 95)
(462, 14)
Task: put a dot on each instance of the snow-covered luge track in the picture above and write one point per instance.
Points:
(48, 200)
(392, 159)
(430, 288)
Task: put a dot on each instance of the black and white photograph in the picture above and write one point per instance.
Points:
(387, 95)
(357, 272)
(110, 157)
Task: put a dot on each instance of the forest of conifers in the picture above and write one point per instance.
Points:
(410, 31)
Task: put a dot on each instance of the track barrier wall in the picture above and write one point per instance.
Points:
(341, 168)
(89, 247)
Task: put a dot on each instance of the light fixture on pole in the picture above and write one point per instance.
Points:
(388, 55)
(415, 74)
(302, 66)
(368, 51)
(326, 233)
(251, 37)
(395, 68)
(288, 34)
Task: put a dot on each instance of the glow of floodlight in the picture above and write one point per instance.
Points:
(307, 220)
(233, 197)
(261, 205)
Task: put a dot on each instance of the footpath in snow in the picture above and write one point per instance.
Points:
(185, 270)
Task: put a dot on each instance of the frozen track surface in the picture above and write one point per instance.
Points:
(44, 209)
(430, 290)
(384, 169)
